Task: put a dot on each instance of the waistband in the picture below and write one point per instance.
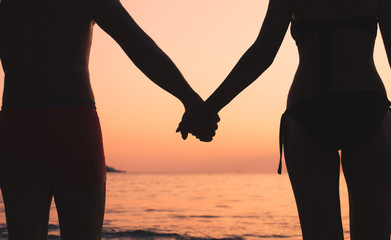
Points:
(47, 102)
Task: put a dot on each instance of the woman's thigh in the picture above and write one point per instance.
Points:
(80, 211)
(368, 176)
(27, 203)
(314, 175)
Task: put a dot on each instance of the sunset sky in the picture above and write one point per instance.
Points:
(205, 38)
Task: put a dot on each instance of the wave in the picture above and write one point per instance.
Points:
(51, 227)
(196, 216)
(269, 236)
(158, 210)
(212, 216)
(118, 234)
(150, 235)
(3, 232)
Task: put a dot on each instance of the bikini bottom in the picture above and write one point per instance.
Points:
(61, 142)
(338, 121)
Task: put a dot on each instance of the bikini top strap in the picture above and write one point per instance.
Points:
(281, 141)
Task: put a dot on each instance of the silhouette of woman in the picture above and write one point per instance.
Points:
(337, 102)
(50, 139)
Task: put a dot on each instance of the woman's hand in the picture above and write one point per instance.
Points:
(200, 123)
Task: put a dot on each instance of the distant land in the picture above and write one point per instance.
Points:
(111, 169)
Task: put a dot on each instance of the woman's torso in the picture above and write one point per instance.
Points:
(348, 63)
(44, 49)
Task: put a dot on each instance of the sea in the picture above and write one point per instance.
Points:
(221, 206)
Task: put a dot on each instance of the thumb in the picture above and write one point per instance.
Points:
(184, 135)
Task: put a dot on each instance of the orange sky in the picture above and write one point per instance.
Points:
(205, 39)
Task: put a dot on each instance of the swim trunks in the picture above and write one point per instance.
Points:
(63, 142)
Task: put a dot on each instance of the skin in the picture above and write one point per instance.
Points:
(314, 172)
(44, 50)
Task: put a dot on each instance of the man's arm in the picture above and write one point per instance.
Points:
(112, 17)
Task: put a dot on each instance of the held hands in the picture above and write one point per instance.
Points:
(199, 122)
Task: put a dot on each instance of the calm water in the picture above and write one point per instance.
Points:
(196, 207)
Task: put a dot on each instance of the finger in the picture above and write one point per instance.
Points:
(206, 136)
(213, 134)
(180, 126)
(184, 135)
(206, 139)
(214, 127)
(215, 118)
(210, 128)
(208, 133)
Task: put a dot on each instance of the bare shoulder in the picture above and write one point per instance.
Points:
(45, 9)
(334, 9)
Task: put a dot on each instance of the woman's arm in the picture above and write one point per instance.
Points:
(385, 25)
(111, 16)
(257, 58)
